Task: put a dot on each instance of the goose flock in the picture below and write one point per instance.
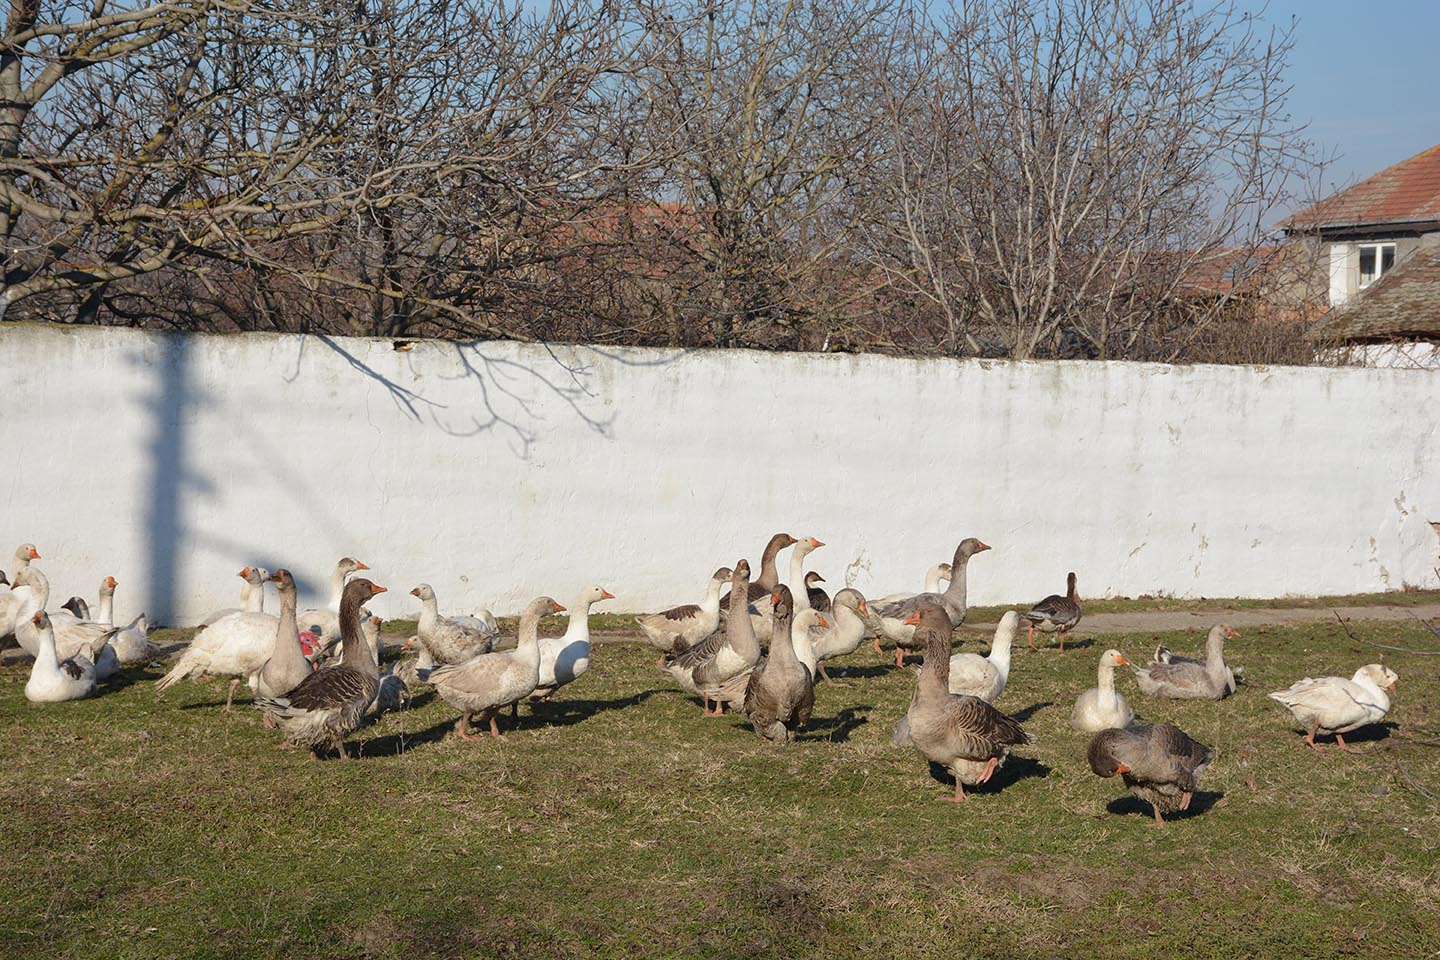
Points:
(758, 646)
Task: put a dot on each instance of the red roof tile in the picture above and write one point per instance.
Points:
(1407, 192)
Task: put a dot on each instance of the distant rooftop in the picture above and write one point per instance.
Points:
(1403, 304)
(1408, 192)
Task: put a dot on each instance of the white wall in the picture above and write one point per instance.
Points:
(498, 471)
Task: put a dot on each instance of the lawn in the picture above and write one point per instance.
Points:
(616, 821)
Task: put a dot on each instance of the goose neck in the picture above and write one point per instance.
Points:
(578, 629)
(354, 651)
(107, 609)
(798, 590)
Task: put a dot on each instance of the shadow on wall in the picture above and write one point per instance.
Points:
(503, 387)
(168, 474)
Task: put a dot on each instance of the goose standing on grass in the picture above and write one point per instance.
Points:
(1186, 679)
(805, 627)
(846, 630)
(330, 703)
(488, 682)
(1159, 763)
(723, 655)
(252, 595)
(780, 694)
(1336, 705)
(678, 629)
(1056, 614)
(964, 734)
(892, 618)
(933, 578)
(324, 622)
(236, 645)
(53, 680)
(1102, 707)
(565, 659)
(985, 677)
(449, 640)
(13, 597)
(286, 666)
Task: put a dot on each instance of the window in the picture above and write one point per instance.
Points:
(1376, 259)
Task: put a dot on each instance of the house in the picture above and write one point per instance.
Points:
(1379, 242)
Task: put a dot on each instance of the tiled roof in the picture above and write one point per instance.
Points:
(1405, 193)
(1403, 304)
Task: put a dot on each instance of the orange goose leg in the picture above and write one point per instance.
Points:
(1340, 742)
(461, 728)
(1030, 637)
(959, 796)
(899, 655)
(495, 729)
(1159, 820)
(230, 697)
(1310, 739)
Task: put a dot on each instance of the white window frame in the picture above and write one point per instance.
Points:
(1380, 270)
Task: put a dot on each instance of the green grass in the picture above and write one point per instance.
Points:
(616, 821)
(1395, 598)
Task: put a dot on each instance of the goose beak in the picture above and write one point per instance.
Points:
(34, 554)
(1231, 634)
(415, 592)
(376, 588)
(244, 573)
(559, 608)
(274, 577)
(1391, 686)
(408, 644)
(819, 578)
(1121, 768)
(863, 608)
(606, 594)
(361, 565)
(913, 619)
(36, 619)
(822, 621)
(111, 582)
(816, 544)
(774, 598)
(983, 546)
(1121, 661)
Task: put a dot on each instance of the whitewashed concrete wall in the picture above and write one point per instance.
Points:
(497, 471)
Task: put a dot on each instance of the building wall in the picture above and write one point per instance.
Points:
(499, 471)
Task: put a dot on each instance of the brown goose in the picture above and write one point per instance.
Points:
(781, 691)
(891, 617)
(962, 733)
(723, 655)
(331, 702)
(819, 599)
(1159, 763)
(678, 629)
(762, 586)
(1056, 614)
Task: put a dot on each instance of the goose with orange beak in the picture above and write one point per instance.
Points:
(891, 619)
(961, 733)
(1159, 763)
(565, 659)
(331, 702)
(1102, 706)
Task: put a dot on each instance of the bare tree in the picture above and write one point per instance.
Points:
(377, 165)
(1062, 166)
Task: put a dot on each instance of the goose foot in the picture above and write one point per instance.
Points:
(899, 657)
(267, 721)
(1030, 638)
(957, 797)
(1340, 742)
(828, 679)
(1310, 739)
(230, 697)
(1159, 820)
(876, 644)
(495, 729)
(287, 745)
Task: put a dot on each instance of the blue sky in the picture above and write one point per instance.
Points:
(1366, 75)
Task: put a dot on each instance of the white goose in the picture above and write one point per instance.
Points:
(252, 595)
(1102, 707)
(985, 677)
(131, 642)
(565, 659)
(53, 680)
(846, 631)
(796, 582)
(72, 637)
(236, 645)
(449, 640)
(12, 598)
(324, 623)
(1336, 705)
